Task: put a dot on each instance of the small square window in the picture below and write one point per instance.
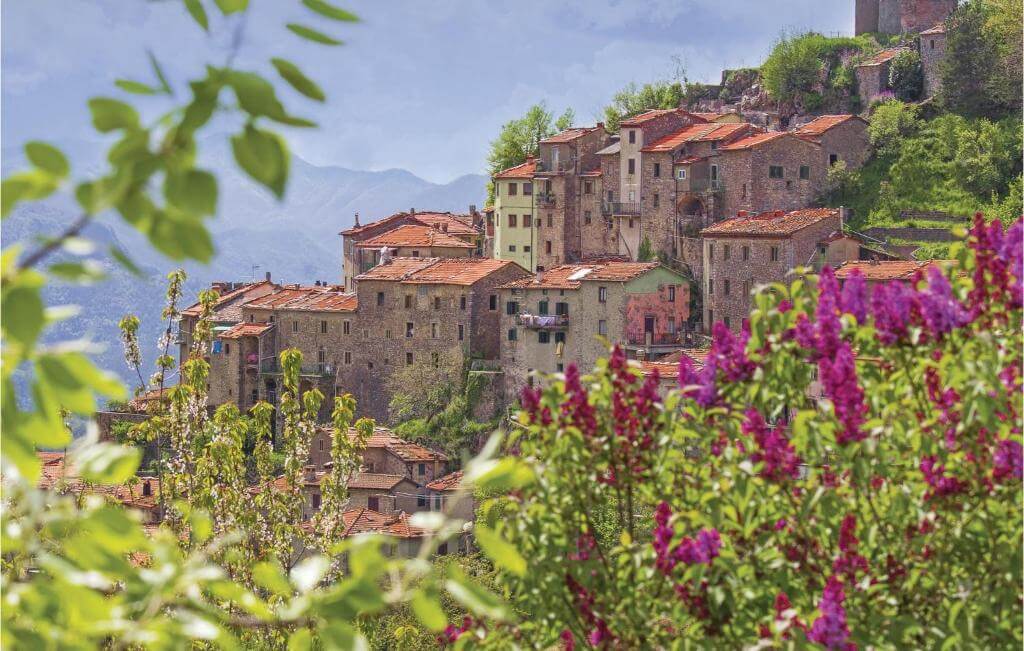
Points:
(602, 327)
(348, 357)
(323, 327)
(805, 172)
(725, 251)
(775, 172)
(657, 170)
(461, 332)
(408, 301)
(631, 166)
(745, 252)
(493, 302)
(543, 337)
(433, 331)
(346, 327)
(775, 254)
(527, 188)
(513, 189)
(671, 293)
(408, 330)
(526, 248)
(408, 359)
(380, 298)
(725, 287)
(295, 326)
(602, 294)
(437, 302)
(586, 216)
(681, 174)
(632, 136)
(511, 248)
(513, 334)
(462, 302)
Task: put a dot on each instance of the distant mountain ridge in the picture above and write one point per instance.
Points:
(296, 240)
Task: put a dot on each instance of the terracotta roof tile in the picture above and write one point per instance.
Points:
(886, 269)
(450, 482)
(770, 224)
(570, 276)
(939, 28)
(665, 370)
(522, 171)
(372, 480)
(457, 224)
(385, 438)
(885, 55)
(361, 520)
(647, 116)
(820, 125)
(310, 298)
(728, 130)
(415, 235)
(58, 475)
(754, 140)
(234, 299)
(681, 137)
(436, 271)
(396, 269)
(569, 135)
(240, 330)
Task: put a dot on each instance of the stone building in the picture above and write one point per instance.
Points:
(385, 453)
(356, 259)
(746, 251)
(873, 76)
(568, 315)
(841, 138)
(226, 313)
(882, 271)
(726, 117)
(515, 236)
(899, 16)
(448, 494)
(415, 241)
(386, 493)
(441, 311)
(932, 45)
(776, 170)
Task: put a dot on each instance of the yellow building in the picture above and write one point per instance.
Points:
(515, 236)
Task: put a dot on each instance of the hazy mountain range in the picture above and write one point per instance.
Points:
(296, 239)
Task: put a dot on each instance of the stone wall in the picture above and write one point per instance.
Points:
(919, 15)
(597, 238)
(872, 81)
(848, 141)
(658, 202)
(747, 185)
(933, 51)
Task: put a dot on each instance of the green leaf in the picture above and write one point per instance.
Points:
(498, 475)
(136, 87)
(232, 6)
(87, 271)
(270, 576)
(428, 611)
(343, 637)
(195, 191)
(48, 158)
(330, 11)
(159, 72)
(255, 94)
(477, 599)
(500, 551)
(300, 82)
(198, 13)
(107, 463)
(312, 34)
(264, 156)
(300, 640)
(36, 184)
(110, 114)
(22, 307)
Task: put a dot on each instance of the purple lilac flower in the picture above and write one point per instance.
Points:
(568, 640)
(730, 352)
(939, 484)
(1012, 254)
(830, 629)
(849, 561)
(838, 377)
(941, 311)
(892, 305)
(774, 449)
(1008, 460)
(854, 298)
(577, 410)
(701, 550)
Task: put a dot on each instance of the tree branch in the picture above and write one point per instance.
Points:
(72, 230)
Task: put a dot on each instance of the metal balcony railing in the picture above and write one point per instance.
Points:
(562, 166)
(545, 199)
(629, 208)
(543, 321)
(649, 339)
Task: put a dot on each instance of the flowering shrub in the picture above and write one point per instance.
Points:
(846, 472)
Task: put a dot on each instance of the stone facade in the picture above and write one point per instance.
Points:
(933, 50)
(744, 252)
(770, 171)
(569, 313)
(899, 16)
(515, 236)
(841, 138)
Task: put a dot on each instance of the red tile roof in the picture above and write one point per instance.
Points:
(689, 160)
(647, 116)
(885, 55)
(58, 475)
(886, 269)
(710, 117)
(436, 271)
(240, 330)
(713, 131)
(569, 135)
(774, 223)
(457, 224)
(665, 370)
(820, 125)
(754, 140)
(415, 235)
(385, 438)
(233, 299)
(309, 298)
(522, 171)
(371, 480)
(362, 520)
(728, 130)
(450, 482)
(698, 356)
(571, 276)
(940, 28)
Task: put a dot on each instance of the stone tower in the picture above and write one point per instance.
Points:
(899, 16)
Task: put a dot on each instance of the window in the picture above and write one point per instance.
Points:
(346, 327)
(493, 302)
(746, 287)
(805, 172)
(421, 501)
(387, 333)
(511, 307)
(657, 170)
(408, 330)
(725, 251)
(632, 136)
(547, 247)
(671, 325)
(681, 174)
(656, 199)
(373, 503)
(611, 196)
(271, 318)
(744, 190)
(631, 222)
(408, 301)
(588, 187)
(323, 326)
(775, 254)
(714, 172)
(725, 287)
(437, 302)
(511, 248)
(408, 359)
(931, 43)
(711, 252)
(714, 145)
(726, 319)
(586, 216)
(380, 298)
(542, 307)
(775, 172)
(461, 332)
(560, 367)
(415, 254)
(543, 337)
(513, 334)
(745, 252)
(348, 357)
(671, 293)
(711, 286)
(442, 549)
(513, 189)
(559, 337)
(711, 317)
(602, 327)
(550, 221)
(527, 248)
(462, 302)
(433, 331)
(295, 326)
(527, 188)
(631, 166)
(316, 501)
(562, 309)
(833, 159)
(513, 220)
(602, 294)
(227, 348)
(435, 359)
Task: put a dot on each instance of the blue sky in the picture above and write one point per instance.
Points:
(420, 85)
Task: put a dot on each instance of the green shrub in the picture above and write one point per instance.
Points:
(906, 78)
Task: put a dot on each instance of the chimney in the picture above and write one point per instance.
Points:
(539, 278)
(268, 276)
(412, 211)
(147, 489)
(309, 473)
(357, 220)
(842, 217)
(444, 227)
(385, 255)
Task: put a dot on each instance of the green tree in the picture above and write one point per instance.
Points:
(974, 81)
(646, 252)
(891, 124)
(634, 100)
(906, 77)
(519, 138)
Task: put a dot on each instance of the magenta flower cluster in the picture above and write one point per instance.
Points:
(728, 354)
(830, 629)
(689, 551)
(774, 450)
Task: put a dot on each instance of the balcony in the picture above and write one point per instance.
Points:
(626, 208)
(545, 199)
(704, 185)
(561, 167)
(650, 344)
(543, 321)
